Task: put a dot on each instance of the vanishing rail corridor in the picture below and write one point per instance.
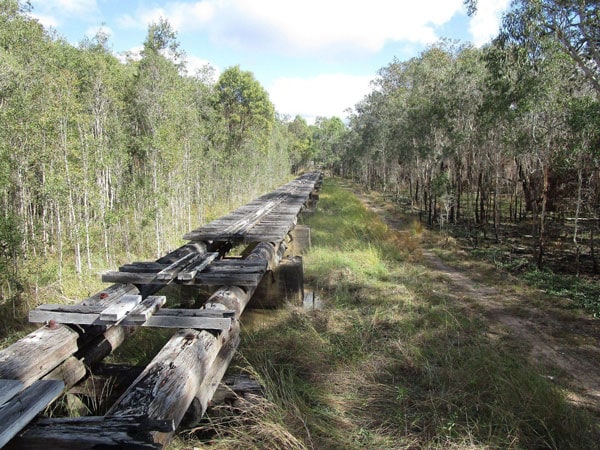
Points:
(183, 376)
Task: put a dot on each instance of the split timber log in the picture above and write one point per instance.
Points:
(91, 433)
(236, 386)
(213, 377)
(75, 368)
(17, 413)
(38, 353)
(8, 389)
(189, 368)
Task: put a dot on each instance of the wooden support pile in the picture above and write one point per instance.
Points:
(187, 371)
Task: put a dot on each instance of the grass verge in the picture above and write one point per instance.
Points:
(389, 362)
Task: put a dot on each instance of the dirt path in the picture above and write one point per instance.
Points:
(563, 345)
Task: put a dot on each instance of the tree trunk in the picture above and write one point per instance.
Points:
(577, 212)
(542, 234)
(497, 198)
(592, 250)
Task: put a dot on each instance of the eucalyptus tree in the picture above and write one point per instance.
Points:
(246, 109)
(247, 120)
(573, 24)
(156, 145)
(327, 137)
(536, 98)
(102, 137)
(24, 49)
(368, 138)
(584, 156)
(426, 126)
(301, 149)
(465, 86)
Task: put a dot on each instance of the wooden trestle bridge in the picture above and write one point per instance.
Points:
(183, 376)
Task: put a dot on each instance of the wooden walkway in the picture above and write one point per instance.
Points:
(183, 376)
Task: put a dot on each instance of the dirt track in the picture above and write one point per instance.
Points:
(563, 345)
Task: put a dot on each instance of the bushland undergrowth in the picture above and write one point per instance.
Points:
(556, 278)
(389, 362)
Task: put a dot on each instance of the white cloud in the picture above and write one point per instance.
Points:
(49, 10)
(322, 95)
(76, 8)
(485, 25)
(46, 21)
(308, 25)
(181, 16)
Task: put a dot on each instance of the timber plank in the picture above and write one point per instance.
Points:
(80, 318)
(146, 309)
(129, 277)
(222, 313)
(143, 267)
(197, 323)
(189, 272)
(110, 294)
(232, 270)
(19, 411)
(233, 279)
(147, 314)
(120, 308)
(236, 263)
(95, 432)
(8, 389)
(171, 271)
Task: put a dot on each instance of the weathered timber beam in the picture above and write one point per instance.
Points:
(76, 367)
(8, 389)
(92, 433)
(165, 389)
(236, 386)
(212, 379)
(17, 412)
(33, 356)
(146, 314)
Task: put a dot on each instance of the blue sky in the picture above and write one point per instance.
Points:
(314, 57)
